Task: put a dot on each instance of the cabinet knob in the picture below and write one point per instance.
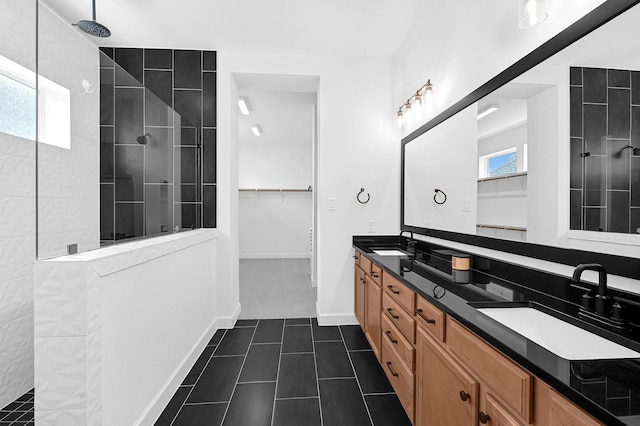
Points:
(484, 418)
(391, 313)
(464, 396)
(393, 290)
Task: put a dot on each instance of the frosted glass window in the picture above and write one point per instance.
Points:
(17, 108)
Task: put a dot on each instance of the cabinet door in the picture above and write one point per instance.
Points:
(564, 413)
(446, 395)
(497, 415)
(360, 284)
(373, 329)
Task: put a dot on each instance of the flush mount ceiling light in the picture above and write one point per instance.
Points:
(256, 129)
(418, 101)
(243, 104)
(531, 13)
(488, 110)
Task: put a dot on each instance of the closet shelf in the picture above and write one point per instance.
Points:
(275, 190)
(503, 227)
(514, 175)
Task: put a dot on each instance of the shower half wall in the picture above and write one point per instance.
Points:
(158, 141)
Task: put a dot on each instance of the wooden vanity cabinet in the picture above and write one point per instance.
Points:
(373, 329)
(368, 299)
(359, 287)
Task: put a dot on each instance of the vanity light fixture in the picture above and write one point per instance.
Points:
(417, 100)
(243, 104)
(531, 13)
(256, 129)
(488, 110)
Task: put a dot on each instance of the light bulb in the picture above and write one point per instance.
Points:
(400, 118)
(531, 13)
(418, 106)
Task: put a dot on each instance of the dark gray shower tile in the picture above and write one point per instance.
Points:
(299, 412)
(635, 229)
(575, 76)
(618, 173)
(160, 84)
(635, 87)
(619, 78)
(188, 103)
(595, 180)
(370, 374)
(129, 118)
(107, 51)
(209, 60)
(106, 154)
(575, 111)
(185, 215)
(387, 410)
(130, 60)
(106, 96)
(269, 331)
(297, 339)
(261, 364)
(210, 414)
(575, 163)
(595, 218)
(106, 211)
(342, 403)
(159, 155)
(158, 208)
(218, 379)
(129, 168)
(188, 136)
(209, 144)
(635, 181)
(185, 164)
(236, 341)
(575, 215)
(209, 99)
(186, 193)
(128, 220)
(595, 128)
(635, 126)
(297, 378)
(158, 58)
(173, 407)
(594, 81)
(187, 67)
(618, 113)
(332, 360)
(618, 211)
(258, 396)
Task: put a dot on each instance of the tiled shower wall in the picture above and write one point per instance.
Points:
(170, 181)
(605, 149)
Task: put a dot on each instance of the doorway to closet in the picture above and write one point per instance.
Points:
(276, 182)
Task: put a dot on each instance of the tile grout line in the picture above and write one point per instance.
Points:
(364, 400)
(315, 365)
(275, 392)
(226, 411)
(198, 378)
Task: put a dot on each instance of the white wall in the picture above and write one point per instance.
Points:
(358, 146)
(516, 137)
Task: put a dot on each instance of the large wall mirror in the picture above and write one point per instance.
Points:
(547, 152)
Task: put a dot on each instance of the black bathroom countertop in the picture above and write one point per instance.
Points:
(608, 389)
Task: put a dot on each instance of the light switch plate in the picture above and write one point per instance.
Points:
(331, 203)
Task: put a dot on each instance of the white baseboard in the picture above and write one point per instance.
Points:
(275, 256)
(230, 321)
(348, 318)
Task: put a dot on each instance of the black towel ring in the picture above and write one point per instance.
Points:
(435, 197)
(360, 193)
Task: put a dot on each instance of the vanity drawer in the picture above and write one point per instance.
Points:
(365, 264)
(398, 317)
(508, 382)
(399, 293)
(356, 257)
(402, 378)
(395, 339)
(376, 274)
(430, 318)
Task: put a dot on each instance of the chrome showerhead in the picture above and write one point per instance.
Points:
(93, 27)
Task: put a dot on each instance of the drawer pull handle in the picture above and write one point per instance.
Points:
(428, 320)
(393, 373)
(374, 275)
(394, 291)
(484, 418)
(464, 396)
(388, 333)
(391, 313)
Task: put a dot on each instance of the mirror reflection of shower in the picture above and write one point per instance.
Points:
(144, 139)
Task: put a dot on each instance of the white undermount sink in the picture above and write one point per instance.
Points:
(387, 252)
(563, 339)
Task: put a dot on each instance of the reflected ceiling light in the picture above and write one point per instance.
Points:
(243, 104)
(531, 13)
(418, 100)
(256, 129)
(488, 110)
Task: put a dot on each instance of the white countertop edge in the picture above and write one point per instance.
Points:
(110, 259)
(614, 281)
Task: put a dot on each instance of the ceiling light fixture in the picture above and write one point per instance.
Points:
(488, 110)
(531, 13)
(243, 104)
(418, 100)
(256, 129)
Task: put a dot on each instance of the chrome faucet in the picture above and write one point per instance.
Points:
(411, 244)
(602, 300)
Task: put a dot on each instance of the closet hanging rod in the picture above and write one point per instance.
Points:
(274, 190)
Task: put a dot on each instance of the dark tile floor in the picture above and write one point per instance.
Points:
(19, 412)
(283, 373)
